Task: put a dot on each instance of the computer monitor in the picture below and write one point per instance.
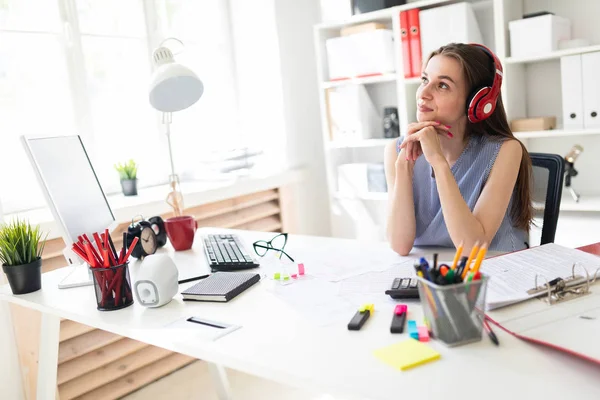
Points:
(71, 187)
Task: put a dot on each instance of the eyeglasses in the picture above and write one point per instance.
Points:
(261, 247)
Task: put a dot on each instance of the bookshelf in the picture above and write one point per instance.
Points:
(531, 88)
(555, 55)
(360, 81)
(557, 133)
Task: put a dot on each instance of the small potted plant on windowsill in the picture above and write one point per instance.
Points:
(128, 174)
(21, 247)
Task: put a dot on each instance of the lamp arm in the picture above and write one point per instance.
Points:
(167, 119)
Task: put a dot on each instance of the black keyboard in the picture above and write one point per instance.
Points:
(227, 253)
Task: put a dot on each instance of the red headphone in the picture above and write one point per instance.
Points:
(482, 103)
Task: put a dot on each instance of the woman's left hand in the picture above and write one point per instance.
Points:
(429, 138)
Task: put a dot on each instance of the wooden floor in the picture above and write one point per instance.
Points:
(193, 382)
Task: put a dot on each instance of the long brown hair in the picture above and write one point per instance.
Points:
(478, 70)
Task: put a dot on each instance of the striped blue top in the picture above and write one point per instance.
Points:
(471, 172)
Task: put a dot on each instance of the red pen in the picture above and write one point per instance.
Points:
(135, 240)
(88, 249)
(80, 253)
(96, 255)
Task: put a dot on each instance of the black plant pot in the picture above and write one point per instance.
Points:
(129, 187)
(25, 278)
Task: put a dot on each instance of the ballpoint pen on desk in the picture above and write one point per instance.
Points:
(490, 332)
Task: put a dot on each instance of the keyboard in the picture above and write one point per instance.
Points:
(227, 253)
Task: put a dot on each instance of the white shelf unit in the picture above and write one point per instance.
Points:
(360, 81)
(556, 133)
(531, 88)
(339, 144)
(555, 55)
(372, 196)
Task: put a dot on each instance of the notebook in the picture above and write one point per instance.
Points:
(221, 286)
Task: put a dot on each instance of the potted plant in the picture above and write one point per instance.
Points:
(128, 174)
(21, 247)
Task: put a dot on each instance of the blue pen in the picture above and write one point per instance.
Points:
(425, 269)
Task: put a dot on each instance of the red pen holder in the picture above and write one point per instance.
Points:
(113, 287)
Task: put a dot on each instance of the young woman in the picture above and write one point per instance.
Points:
(459, 175)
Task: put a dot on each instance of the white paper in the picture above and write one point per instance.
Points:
(316, 300)
(376, 282)
(512, 275)
(320, 263)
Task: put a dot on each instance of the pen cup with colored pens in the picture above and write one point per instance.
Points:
(113, 287)
(454, 313)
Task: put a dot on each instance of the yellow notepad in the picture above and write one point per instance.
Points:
(407, 354)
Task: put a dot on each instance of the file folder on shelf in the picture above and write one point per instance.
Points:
(590, 66)
(572, 91)
(406, 60)
(414, 36)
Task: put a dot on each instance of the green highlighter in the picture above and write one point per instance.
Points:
(450, 276)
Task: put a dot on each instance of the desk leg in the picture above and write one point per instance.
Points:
(219, 378)
(48, 357)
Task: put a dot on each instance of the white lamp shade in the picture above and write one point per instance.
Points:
(173, 87)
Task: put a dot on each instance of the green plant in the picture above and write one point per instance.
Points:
(127, 170)
(20, 243)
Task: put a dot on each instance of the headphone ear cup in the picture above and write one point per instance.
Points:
(474, 113)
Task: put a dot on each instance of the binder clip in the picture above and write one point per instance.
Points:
(562, 289)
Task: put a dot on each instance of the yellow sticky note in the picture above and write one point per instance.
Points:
(407, 354)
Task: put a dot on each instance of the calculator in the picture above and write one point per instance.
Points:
(404, 288)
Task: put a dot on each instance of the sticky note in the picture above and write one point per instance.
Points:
(286, 278)
(277, 276)
(407, 354)
(294, 276)
(423, 334)
(412, 329)
(300, 269)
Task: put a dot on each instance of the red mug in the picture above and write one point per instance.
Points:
(180, 231)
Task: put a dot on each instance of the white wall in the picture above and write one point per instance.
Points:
(295, 21)
(277, 83)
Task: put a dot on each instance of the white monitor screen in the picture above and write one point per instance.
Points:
(70, 184)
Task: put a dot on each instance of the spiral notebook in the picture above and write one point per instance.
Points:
(221, 286)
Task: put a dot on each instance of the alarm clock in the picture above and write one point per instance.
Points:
(147, 240)
(158, 226)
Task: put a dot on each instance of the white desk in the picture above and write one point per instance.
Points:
(278, 344)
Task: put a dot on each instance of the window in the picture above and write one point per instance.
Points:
(211, 126)
(34, 92)
(83, 67)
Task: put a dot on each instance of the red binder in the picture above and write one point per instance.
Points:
(414, 37)
(405, 44)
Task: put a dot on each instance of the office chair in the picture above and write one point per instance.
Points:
(548, 177)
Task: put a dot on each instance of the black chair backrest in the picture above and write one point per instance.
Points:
(548, 177)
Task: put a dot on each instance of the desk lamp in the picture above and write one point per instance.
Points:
(173, 87)
(570, 170)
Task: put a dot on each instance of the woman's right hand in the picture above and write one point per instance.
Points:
(413, 150)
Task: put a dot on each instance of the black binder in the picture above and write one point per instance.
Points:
(221, 286)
